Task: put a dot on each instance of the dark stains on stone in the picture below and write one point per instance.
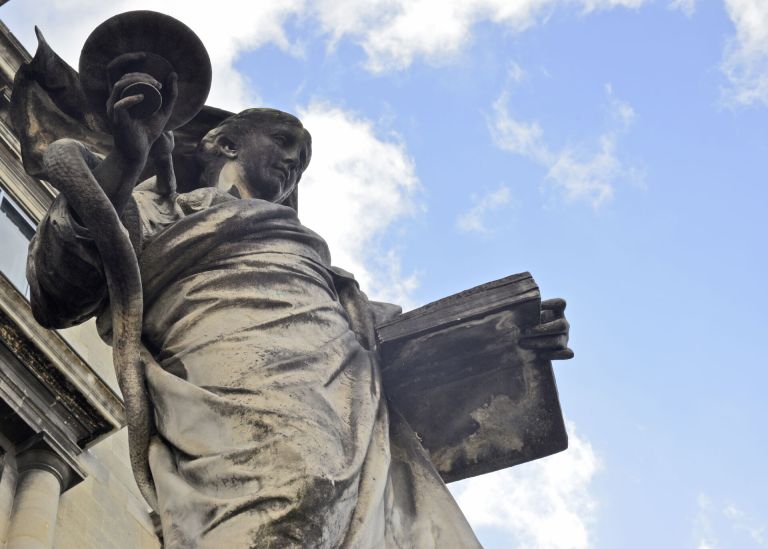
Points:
(54, 381)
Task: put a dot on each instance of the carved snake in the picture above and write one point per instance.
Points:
(68, 165)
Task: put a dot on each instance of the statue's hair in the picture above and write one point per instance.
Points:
(251, 120)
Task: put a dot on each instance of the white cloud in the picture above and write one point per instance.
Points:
(545, 504)
(576, 174)
(474, 220)
(746, 55)
(357, 185)
(394, 33)
(687, 7)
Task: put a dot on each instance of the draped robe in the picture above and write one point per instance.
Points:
(272, 430)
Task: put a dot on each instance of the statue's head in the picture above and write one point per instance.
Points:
(258, 153)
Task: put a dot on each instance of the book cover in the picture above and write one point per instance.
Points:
(477, 401)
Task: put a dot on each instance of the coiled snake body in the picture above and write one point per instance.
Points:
(68, 165)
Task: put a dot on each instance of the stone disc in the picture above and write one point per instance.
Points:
(170, 46)
(152, 101)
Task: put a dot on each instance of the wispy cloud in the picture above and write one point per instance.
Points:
(474, 220)
(357, 185)
(577, 175)
(545, 504)
(703, 529)
(620, 111)
(687, 7)
(744, 522)
(746, 55)
(515, 72)
(716, 522)
(587, 177)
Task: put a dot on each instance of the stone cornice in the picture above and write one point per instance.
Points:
(80, 393)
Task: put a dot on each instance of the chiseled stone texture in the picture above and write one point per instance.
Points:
(105, 511)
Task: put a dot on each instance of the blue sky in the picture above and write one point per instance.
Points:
(616, 149)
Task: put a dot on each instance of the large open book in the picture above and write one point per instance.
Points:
(477, 401)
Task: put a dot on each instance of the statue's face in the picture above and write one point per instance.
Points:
(273, 159)
(265, 162)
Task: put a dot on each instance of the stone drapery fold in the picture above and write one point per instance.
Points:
(272, 429)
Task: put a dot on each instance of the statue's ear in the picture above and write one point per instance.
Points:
(226, 147)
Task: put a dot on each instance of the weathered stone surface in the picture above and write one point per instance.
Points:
(511, 415)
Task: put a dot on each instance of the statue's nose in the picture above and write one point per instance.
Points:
(291, 159)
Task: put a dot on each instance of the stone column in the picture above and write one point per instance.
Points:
(42, 474)
(8, 478)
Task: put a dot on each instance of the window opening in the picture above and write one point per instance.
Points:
(16, 230)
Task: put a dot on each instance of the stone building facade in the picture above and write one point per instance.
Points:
(65, 478)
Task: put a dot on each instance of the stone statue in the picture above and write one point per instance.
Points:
(248, 362)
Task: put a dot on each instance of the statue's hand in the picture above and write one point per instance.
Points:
(134, 137)
(550, 338)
